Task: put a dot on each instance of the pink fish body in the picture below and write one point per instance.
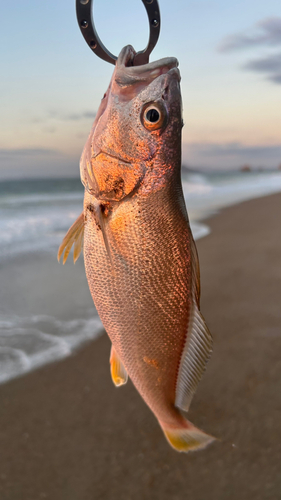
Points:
(140, 258)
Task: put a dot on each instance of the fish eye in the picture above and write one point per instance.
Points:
(153, 116)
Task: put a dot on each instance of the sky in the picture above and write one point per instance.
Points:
(51, 83)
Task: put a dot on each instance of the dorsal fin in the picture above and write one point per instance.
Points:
(198, 344)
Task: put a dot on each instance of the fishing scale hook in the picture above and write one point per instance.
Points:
(88, 30)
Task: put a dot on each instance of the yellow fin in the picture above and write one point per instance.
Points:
(118, 372)
(73, 236)
(78, 244)
(188, 438)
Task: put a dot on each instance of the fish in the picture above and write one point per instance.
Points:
(140, 257)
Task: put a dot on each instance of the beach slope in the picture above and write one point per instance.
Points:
(66, 433)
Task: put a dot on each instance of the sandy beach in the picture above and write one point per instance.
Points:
(66, 433)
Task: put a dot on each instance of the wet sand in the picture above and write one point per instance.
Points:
(67, 434)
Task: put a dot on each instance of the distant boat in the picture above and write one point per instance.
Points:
(246, 168)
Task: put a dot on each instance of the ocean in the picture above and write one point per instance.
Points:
(45, 317)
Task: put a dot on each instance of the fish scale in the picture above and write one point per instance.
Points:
(153, 325)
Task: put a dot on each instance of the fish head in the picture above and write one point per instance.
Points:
(136, 136)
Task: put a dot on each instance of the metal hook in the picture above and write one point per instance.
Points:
(88, 30)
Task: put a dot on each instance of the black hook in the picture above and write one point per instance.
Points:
(88, 30)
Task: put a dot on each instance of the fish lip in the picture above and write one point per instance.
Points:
(175, 72)
(153, 69)
(149, 71)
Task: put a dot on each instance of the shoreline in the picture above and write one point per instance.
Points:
(68, 434)
(17, 273)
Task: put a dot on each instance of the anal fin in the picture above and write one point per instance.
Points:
(74, 236)
(118, 372)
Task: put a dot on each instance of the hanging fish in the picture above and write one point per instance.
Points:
(140, 257)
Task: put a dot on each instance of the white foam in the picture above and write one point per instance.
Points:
(12, 362)
(28, 343)
(214, 193)
(199, 230)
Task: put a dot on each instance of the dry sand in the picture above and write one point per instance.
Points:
(67, 434)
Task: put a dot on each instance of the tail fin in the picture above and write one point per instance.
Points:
(187, 437)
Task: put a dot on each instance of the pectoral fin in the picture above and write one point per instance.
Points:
(118, 372)
(74, 236)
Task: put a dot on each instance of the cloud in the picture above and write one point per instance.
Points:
(41, 162)
(24, 152)
(231, 155)
(49, 130)
(84, 115)
(52, 115)
(270, 66)
(237, 149)
(268, 33)
(36, 162)
(80, 116)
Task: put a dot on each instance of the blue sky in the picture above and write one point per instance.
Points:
(51, 83)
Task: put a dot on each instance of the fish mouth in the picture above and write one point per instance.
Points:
(127, 74)
(103, 154)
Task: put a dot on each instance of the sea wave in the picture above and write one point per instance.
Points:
(28, 343)
(30, 221)
(36, 215)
